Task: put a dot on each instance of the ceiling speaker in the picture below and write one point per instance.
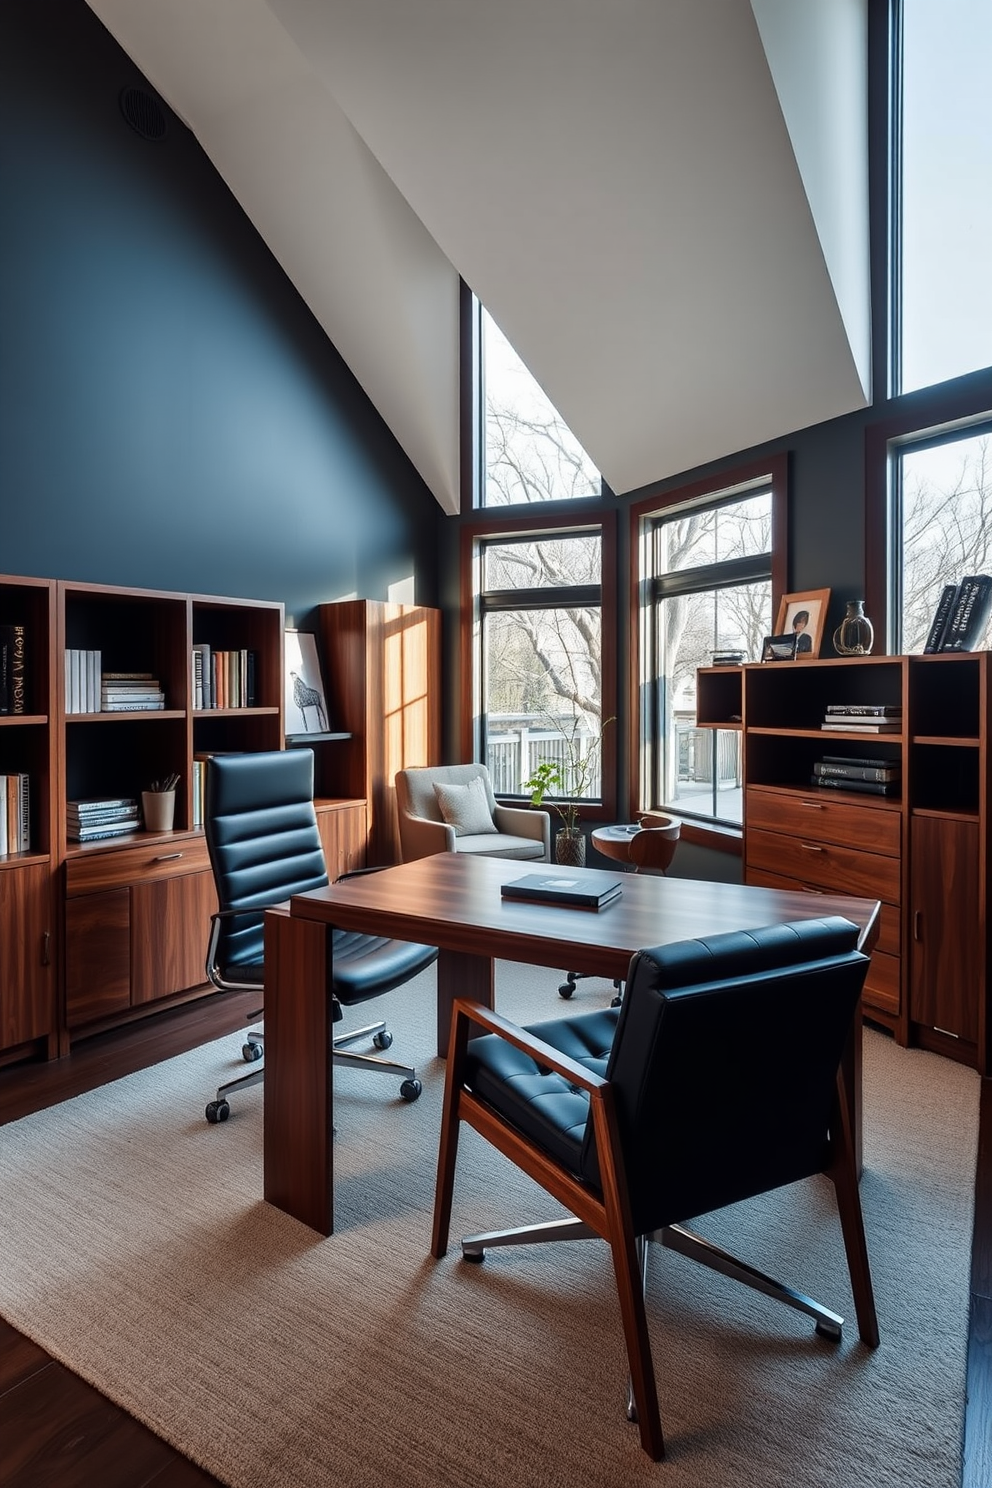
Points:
(144, 113)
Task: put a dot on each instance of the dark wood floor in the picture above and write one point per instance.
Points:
(58, 1432)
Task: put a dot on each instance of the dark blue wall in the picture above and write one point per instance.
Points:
(171, 415)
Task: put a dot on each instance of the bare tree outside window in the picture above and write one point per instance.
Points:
(946, 493)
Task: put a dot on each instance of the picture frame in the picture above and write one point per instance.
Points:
(804, 616)
(305, 696)
(779, 647)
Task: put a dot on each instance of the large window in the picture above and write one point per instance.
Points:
(707, 579)
(529, 453)
(944, 168)
(538, 657)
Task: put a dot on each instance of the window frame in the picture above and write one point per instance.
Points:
(544, 520)
(642, 514)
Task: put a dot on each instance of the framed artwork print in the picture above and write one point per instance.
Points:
(306, 701)
(803, 616)
(779, 648)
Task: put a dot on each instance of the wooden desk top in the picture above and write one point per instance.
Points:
(452, 900)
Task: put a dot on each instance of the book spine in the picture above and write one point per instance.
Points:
(131, 707)
(857, 759)
(864, 710)
(103, 832)
(869, 787)
(18, 671)
(250, 701)
(941, 616)
(24, 812)
(6, 658)
(13, 813)
(971, 614)
(3, 814)
(856, 772)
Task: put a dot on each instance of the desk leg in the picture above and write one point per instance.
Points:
(298, 1099)
(461, 975)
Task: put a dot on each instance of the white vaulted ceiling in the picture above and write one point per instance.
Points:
(663, 203)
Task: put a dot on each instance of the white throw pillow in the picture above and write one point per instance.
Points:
(466, 807)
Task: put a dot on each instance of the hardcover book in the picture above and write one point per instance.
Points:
(862, 726)
(865, 710)
(970, 616)
(869, 787)
(938, 625)
(591, 890)
(858, 759)
(17, 670)
(858, 772)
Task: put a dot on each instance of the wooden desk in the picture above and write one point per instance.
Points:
(453, 901)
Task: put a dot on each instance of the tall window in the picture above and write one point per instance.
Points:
(529, 454)
(943, 489)
(707, 568)
(540, 655)
(945, 166)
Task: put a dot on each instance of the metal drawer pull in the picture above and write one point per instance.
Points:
(166, 857)
(814, 805)
(811, 847)
(917, 926)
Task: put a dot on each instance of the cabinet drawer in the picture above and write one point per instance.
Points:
(820, 820)
(825, 865)
(889, 918)
(882, 983)
(93, 871)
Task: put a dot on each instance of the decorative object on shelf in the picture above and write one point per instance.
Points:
(803, 616)
(855, 635)
(568, 777)
(158, 804)
(306, 700)
(779, 647)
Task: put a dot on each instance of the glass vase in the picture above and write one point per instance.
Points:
(855, 635)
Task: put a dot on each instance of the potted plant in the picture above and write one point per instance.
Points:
(564, 782)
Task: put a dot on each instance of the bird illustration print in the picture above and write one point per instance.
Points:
(308, 697)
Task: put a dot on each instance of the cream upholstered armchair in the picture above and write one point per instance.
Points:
(451, 808)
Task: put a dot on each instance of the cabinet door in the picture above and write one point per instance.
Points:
(97, 956)
(947, 962)
(26, 985)
(170, 925)
(343, 837)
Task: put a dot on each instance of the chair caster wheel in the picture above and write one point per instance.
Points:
(616, 1001)
(566, 989)
(218, 1110)
(830, 1331)
(475, 1257)
(251, 1052)
(383, 1039)
(410, 1090)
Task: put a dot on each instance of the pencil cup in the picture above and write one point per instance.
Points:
(159, 808)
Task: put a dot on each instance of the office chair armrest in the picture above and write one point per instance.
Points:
(543, 1054)
(422, 837)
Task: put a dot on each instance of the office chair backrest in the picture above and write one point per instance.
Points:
(262, 837)
(724, 1064)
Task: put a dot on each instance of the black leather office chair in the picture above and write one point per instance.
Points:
(719, 1078)
(264, 846)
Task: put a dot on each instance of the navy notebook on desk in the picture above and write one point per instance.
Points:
(588, 890)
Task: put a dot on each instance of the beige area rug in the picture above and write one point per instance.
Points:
(135, 1247)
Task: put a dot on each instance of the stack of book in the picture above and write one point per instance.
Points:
(15, 814)
(728, 658)
(82, 681)
(130, 692)
(962, 615)
(875, 777)
(101, 816)
(864, 718)
(222, 679)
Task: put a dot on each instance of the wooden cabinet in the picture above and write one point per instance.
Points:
(383, 663)
(923, 852)
(343, 835)
(28, 969)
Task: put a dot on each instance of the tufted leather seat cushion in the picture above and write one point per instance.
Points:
(542, 1104)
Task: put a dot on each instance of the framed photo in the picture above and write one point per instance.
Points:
(804, 616)
(779, 648)
(306, 701)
